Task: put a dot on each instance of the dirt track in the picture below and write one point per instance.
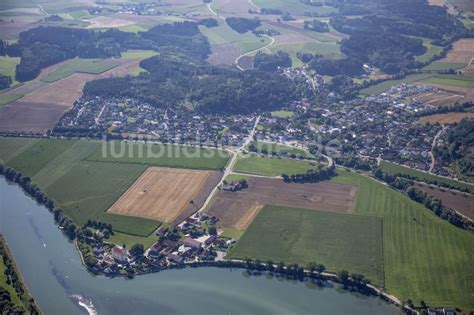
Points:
(165, 194)
(237, 209)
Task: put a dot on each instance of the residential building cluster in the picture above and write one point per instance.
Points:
(127, 117)
(381, 126)
(194, 240)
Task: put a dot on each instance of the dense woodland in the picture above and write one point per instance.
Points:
(5, 81)
(458, 150)
(179, 76)
(271, 62)
(176, 80)
(316, 25)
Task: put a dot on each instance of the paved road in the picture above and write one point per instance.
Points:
(214, 12)
(230, 165)
(252, 51)
(433, 145)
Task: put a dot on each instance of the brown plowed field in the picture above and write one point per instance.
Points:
(106, 22)
(165, 194)
(238, 209)
(438, 98)
(462, 52)
(448, 118)
(461, 202)
(466, 93)
(44, 104)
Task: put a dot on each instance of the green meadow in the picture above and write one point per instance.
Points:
(278, 148)
(386, 85)
(92, 66)
(425, 257)
(338, 241)
(164, 155)
(269, 166)
(85, 183)
(392, 168)
(294, 7)
(9, 98)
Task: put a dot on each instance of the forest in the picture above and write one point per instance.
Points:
(457, 151)
(266, 62)
(177, 80)
(386, 35)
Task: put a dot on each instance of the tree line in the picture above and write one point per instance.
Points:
(68, 227)
(311, 176)
(273, 62)
(408, 187)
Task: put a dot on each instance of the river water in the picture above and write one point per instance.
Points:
(51, 268)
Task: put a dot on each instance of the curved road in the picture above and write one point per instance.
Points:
(209, 7)
(252, 51)
(214, 12)
(433, 145)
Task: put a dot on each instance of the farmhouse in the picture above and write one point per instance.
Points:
(189, 242)
(174, 258)
(120, 254)
(233, 186)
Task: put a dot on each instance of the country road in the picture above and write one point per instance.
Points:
(230, 165)
(214, 12)
(433, 145)
(209, 7)
(252, 51)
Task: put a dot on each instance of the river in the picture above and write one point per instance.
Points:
(52, 271)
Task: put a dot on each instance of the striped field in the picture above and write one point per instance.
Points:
(425, 258)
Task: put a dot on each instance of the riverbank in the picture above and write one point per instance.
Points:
(15, 293)
(294, 273)
(360, 286)
(52, 267)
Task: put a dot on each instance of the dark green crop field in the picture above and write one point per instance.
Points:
(88, 189)
(164, 155)
(39, 155)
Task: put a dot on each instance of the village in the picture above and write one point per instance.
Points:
(125, 116)
(383, 126)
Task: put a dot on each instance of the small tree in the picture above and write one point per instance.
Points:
(137, 250)
(212, 230)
